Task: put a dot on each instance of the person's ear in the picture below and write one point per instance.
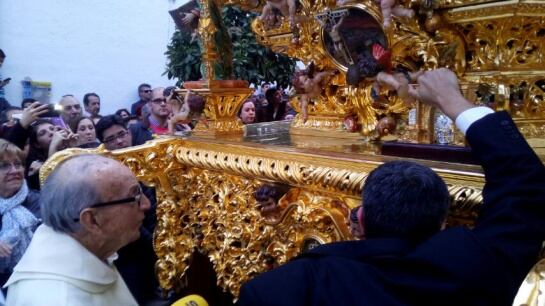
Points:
(88, 220)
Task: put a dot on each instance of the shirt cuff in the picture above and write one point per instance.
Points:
(467, 117)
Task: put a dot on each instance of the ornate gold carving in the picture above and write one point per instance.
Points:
(63, 155)
(465, 206)
(520, 93)
(411, 48)
(507, 45)
(205, 201)
(456, 3)
(207, 30)
(495, 10)
(221, 108)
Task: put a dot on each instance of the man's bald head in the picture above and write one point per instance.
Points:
(71, 108)
(158, 106)
(75, 185)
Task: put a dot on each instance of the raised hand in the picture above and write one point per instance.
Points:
(32, 113)
(440, 88)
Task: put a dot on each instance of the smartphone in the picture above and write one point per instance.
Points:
(51, 112)
(57, 121)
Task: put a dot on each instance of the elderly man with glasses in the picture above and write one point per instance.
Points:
(136, 260)
(86, 220)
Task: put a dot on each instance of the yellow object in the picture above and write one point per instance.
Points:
(191, 300)
(531, 291)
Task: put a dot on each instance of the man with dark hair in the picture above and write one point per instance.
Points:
(113, 133)
(406, 259)
(144, 92)
(27, 102)
(415, 212)
(91, 103)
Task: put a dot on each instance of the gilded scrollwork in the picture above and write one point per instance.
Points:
(465, 206)
(206, 202)
(504, 45)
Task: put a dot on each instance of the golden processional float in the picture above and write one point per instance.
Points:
(312, 172)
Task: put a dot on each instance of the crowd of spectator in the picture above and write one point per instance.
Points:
(34, 131)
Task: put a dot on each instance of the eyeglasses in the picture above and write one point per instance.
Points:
(159, 101)
(5, 166)
(119, 135)
(136, 199)
(146, 91)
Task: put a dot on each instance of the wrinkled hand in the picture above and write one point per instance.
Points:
(34, 167)
(72, 139)
(32, 113)
(440, 88)
(5, 249)
(62, 139)
(389, 9)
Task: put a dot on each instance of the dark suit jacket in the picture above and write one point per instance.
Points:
(140, 134)
(458, 266)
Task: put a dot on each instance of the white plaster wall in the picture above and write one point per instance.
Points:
(103, 46)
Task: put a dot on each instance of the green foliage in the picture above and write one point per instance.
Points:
(252, 61)
(184, 58)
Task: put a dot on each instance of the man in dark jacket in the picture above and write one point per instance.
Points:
(406, 259)
(144, 92)
(137, 259)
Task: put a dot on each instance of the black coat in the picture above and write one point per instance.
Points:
(139, 134)
(458, 266)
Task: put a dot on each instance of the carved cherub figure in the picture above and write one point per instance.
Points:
(385, 126)
(286, 7)
(271, 19)
(389, 9)
(268, 197)
(186, 111)
(310, 84)
(399, 81)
